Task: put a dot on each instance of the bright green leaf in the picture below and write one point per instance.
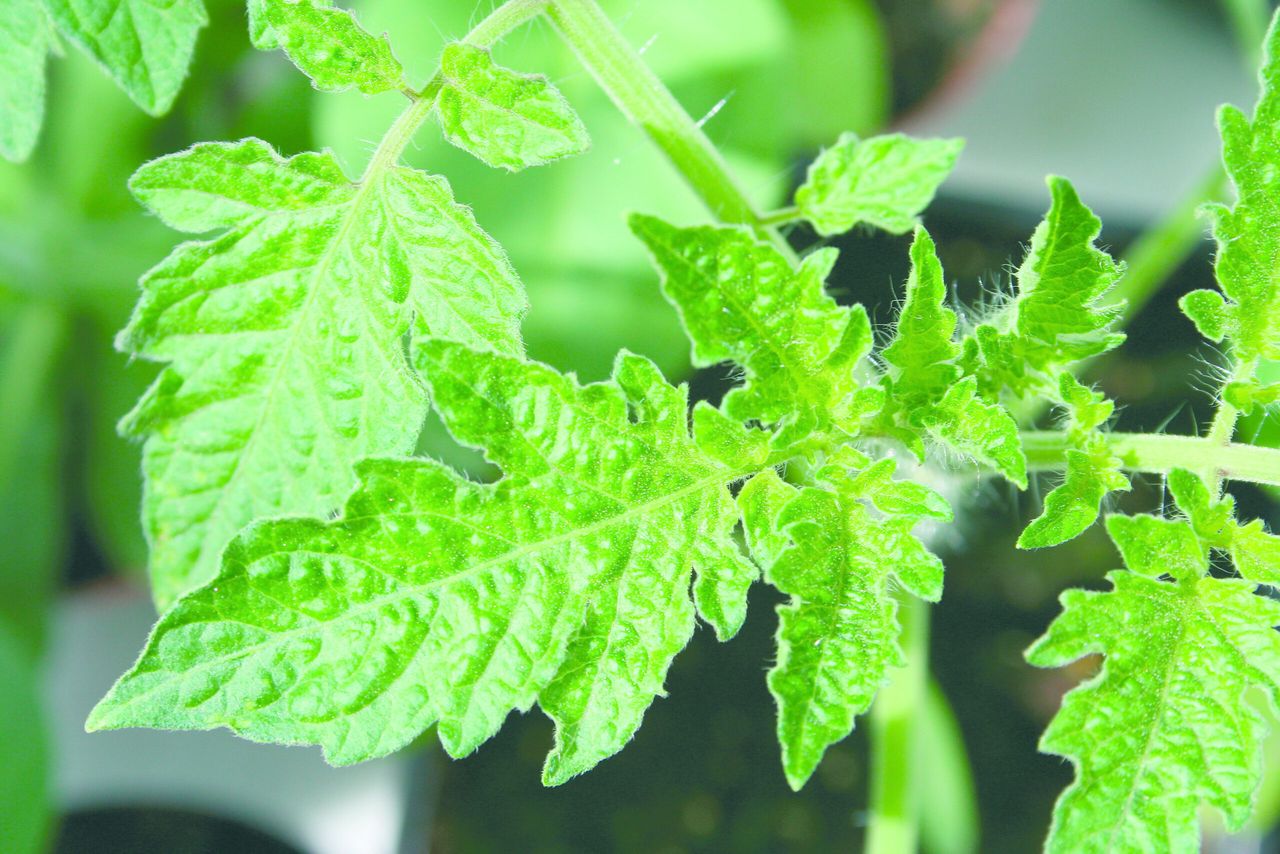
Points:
(283, 336)
(1166, 727)
(1154, 546)
(838, 636)
(25, 40)
(742, 301)
(434, 599)
(507, 119)
(327, 44)
(144, 45)
(885, 181)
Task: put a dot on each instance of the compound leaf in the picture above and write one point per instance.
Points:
(885, 181)
(327, 44)
(740, 300)
(283, 336)
(144, 45)
(1166, 726)
(25, 40)
(1248, 248)
(434, 599)
(507, 119)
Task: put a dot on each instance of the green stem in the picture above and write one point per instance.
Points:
(894, 811)
(1160, 454)
(645, 100)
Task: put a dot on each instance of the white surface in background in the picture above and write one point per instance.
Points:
(287, 792)
(1119, 96)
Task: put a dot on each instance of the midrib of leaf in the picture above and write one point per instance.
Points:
(384, 159)
(639, 511)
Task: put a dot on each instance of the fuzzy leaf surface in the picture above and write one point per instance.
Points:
(1248, 259)
(740, 300)
(885, 181)
(838, 636)
(1165, 727)
(283, 336)
(1057, 317)
(434, 599)
(927, 391)
(327, 44)
(507, 119)
(25, 40)
(144, 45)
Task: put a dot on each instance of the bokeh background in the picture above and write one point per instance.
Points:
(1119, 97)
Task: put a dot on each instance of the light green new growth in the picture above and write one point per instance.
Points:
(145, 46)
(885, 181)
(25, 40)
(282, 337)
(437, 600)
(1092, 470)
(927, 392)
(508, 120)
(1248, 234)
(327, 45)
(838, 637)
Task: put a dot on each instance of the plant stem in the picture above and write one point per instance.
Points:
(894, 809)
(1159, 454)
(645, 100)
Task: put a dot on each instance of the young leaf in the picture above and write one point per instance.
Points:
(742, 301)
(838, 636)
(433, 599)
(1056, 319)
(1092, 470)
(144, 45)
(25, 40)
(327, 45)
(924, 383)
(1256, 553)
(283, 336)
(1248, 249)
(1166, 726)
(885, 181)
(508, 120)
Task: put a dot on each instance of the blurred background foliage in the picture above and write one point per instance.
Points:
(776, 79)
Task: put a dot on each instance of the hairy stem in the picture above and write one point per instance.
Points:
(645, 100)
(1159, 454)
(895, 717)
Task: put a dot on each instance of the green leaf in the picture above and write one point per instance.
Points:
(144, 45)
(924, 381)
(1165, 727)
(838, 636)
(740, 300)
(283, 336)
(885, 181)
(25, 41)
(434, 599)
(1154, 546)
(1056, 319)
(509, 120)
(984, 431)
(1256, 553)
(1208, 311)
(1248, 248)
(327, 44)
(1093, 470)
